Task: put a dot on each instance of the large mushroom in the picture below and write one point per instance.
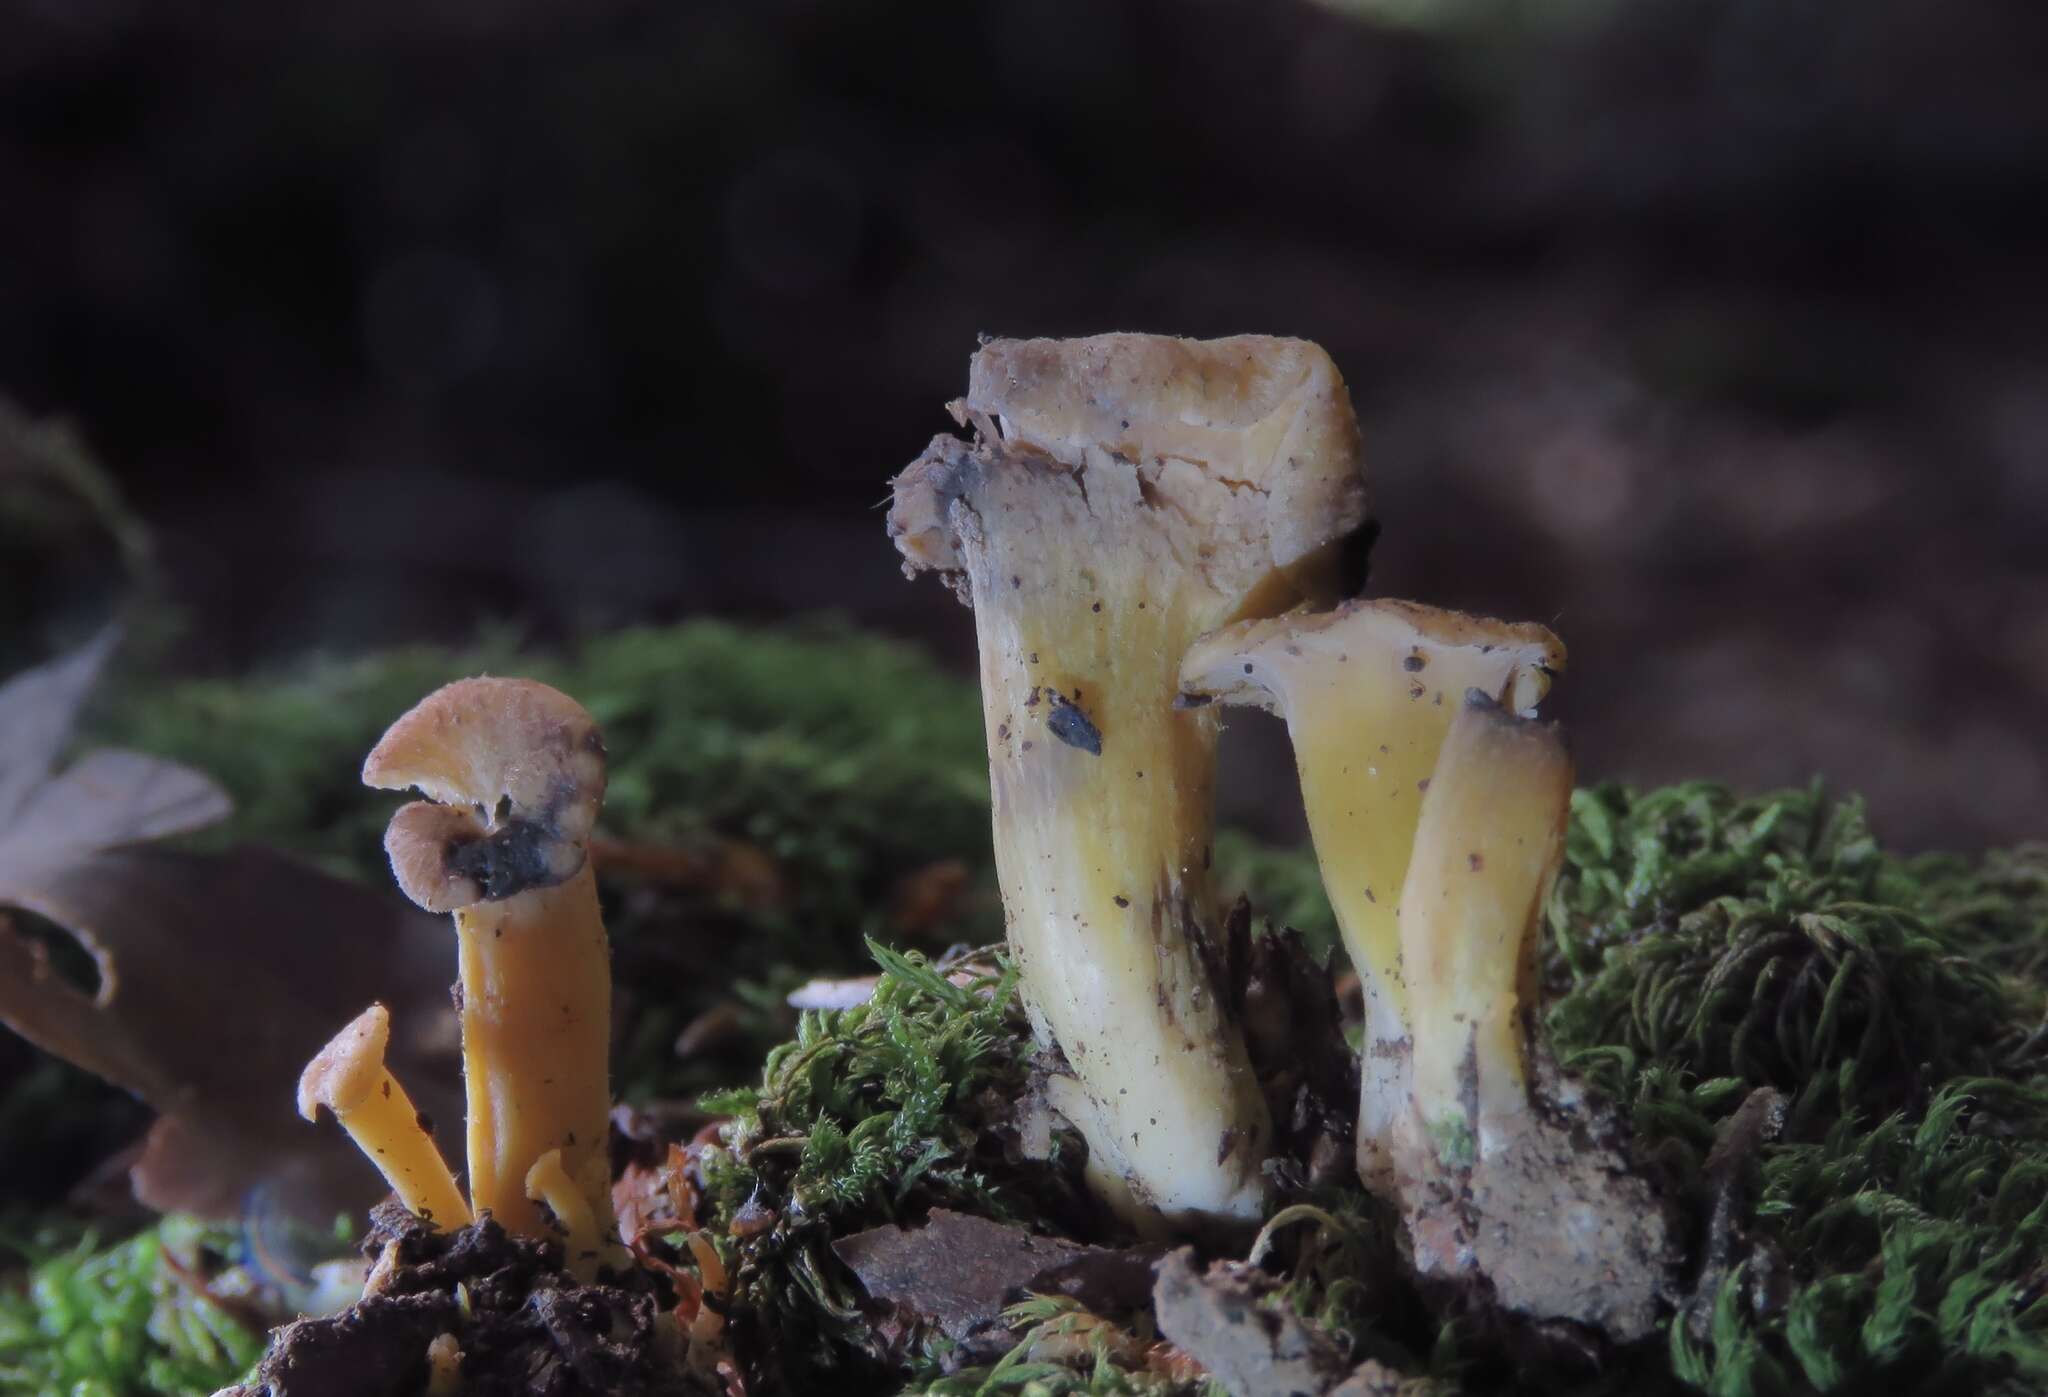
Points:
(515, 773)
(1124, 494)
(1368, 691)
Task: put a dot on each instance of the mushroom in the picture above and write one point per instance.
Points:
(519, 771)
(1368, 691)
(1503, 1173)
(349, 1078)
(588, 1243)
(1123, 495)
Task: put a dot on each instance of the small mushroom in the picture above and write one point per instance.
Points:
(349, 1078)
(518, 771)
(1123, 495)
(1368, 691)
(587, 1245)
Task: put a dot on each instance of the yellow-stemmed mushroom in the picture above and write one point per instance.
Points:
(518, 771)
(1125, 494)
(1368, 691)
(349, 1078)
(588, 1242)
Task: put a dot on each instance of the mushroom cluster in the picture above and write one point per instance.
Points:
(514, 772)
(1148, 528)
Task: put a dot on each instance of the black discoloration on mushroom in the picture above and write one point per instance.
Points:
(1071, 726)
(510, 860)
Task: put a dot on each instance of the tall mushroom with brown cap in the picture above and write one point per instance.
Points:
(1503, 1173)
(349, 1078)
(515, 773)
(1125, 494)
(1369, 691)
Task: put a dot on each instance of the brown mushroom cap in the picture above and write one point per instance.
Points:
(348, 1069)
(1260, 414)
(1244, 451)
(519, 769)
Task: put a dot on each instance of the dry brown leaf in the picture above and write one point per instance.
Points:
(958, 1271)
(219, 974)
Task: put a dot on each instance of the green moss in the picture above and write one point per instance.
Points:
(1044, 1322)
(120, 1321)
(1707, 946)
(871, 1115)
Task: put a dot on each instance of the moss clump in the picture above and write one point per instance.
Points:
(1062, 1350)
(870, 1115)
(1708, 946)
(1702, 947)
(127, 1320)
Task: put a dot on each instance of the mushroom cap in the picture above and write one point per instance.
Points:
(347, 1070)
(1256, 412)
(485, 740)
(1246, 664)
(1243, 453)
(519, 769)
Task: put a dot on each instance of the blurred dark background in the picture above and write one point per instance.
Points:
(1712, 332)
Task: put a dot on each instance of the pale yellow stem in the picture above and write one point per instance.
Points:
(1489, 842)
(1103, 859)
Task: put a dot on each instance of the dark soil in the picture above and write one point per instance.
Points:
(524, 1325)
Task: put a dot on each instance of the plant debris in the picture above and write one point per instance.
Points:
(958, 1271)
(1254, 1349)
(523, 1327)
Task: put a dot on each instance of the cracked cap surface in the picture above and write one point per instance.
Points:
(1245, 450)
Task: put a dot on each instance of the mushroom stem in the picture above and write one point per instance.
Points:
(536, 1020)
(1103, 859)
(1486, 849)
(518, 769)
(349, 1078)
(1504, 1174)
(1368, 691)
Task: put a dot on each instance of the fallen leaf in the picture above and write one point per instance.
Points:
(219, 975)
(958, 1271)
(107, 798)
